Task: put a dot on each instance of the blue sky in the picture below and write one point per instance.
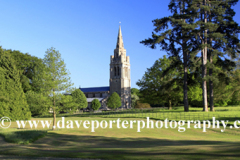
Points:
(85, 33)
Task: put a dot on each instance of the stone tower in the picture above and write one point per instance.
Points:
(120, 81)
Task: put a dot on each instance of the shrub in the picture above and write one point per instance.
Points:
(80, 98)
(114, 101)
(142, 105)
(95, 104)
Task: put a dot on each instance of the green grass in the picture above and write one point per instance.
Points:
(22, 137)
(128, 143)
(230, 113)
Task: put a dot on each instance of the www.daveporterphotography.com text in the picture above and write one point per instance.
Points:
(139, 125)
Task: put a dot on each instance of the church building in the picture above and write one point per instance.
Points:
(120, 81)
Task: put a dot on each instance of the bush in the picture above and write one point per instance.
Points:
(142, 105)
(114, 101)
(95, 104)
(80, 98)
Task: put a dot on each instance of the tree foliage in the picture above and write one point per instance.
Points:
(79, 98)
(134, 99)
(95, 104)
(38, 103)
(159, 89)
(114, 101)
(31, 70)
(134, 91)
(12, 98)
(199, 26)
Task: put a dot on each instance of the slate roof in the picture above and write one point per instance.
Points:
(95, 89)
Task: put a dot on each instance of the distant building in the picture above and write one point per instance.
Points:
(120, 80)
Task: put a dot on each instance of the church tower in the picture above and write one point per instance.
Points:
(120, 81)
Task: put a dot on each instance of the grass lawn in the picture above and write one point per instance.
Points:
(127, 143)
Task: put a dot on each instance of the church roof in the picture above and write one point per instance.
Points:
(95, 89)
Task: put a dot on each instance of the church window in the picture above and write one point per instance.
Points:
(118, 71)
(115, 72)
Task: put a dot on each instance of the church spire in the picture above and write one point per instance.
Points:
(119, 39)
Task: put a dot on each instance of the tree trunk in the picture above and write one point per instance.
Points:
(204, 62)
(170, 105)
(54, 113)
(185, 98)
(211, 83)
(54, 119)
(185, 61)
(211, 88)
(210, 72)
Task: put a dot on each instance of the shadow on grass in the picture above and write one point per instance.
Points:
(23, 137)
(73, 146)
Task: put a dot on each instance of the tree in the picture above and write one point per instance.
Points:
(134, 91)
(172, 34)
(114, 101)
(134, 99)
(12, 98)
(159, 89)
(31, 70)
(57, 79)
(79, 98)
(95, 104)
(67, 103)
(216, 34)
(38, 103)
(204, 26)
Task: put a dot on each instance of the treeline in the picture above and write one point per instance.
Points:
(201, 40)
(34, 86)
(166, 90)
(31, 86)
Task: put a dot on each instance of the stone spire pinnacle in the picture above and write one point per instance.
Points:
(119, 39)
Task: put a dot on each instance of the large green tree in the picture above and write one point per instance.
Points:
(159, 89)
(173, 36)
(198, 26)
(31, 70)
(216, 33)
(57, 80)
(12, 98)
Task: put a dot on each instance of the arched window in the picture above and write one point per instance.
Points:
(115, 72)
(118, 71)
